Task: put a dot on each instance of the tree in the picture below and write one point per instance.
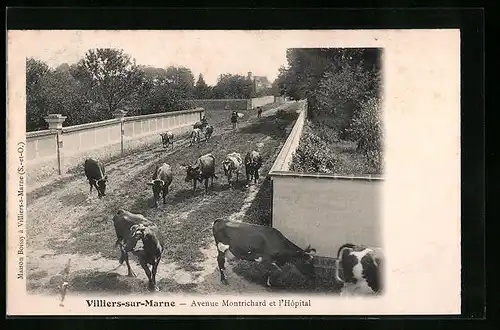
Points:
(111, 76)
(341, 91)
(308, 66)
(231, 86)
(201, 89)
(36, 103)
(163, 90)
(367, 130)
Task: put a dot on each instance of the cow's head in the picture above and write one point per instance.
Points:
(101, 186)
(137, 232)
(192, 172)
(304, 261)
(226, 166)
(157, 188)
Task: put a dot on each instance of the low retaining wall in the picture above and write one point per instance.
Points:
(260, 101)
(233, 104)
(101, 140)
(220, 104)
(323, 210)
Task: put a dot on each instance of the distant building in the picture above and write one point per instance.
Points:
(259, 82)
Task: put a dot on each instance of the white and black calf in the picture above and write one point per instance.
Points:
(232, 165)
(96, 175)
(195, 136)
(161, 180)
(361, 269)
(209, 130)
(167, 139)
(253, 162)
(261, 244)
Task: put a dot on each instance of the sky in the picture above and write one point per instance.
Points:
(210, 53)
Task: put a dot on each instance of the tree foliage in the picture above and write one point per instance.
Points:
(342, 87)
(201, 89)
(106, 79)
(111, 75)
(231, 86)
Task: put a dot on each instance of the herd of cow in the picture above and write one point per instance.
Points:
(244, 241)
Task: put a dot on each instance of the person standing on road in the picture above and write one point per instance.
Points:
(259, 112)
(234, 119)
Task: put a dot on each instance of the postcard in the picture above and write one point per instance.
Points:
(238, 172)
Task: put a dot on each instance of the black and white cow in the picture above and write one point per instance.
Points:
(232, 165)
(261, 244)
(253, 162)
(195, 136)
(167, 139)
(361, 269)
(96, 175)
(209, 130)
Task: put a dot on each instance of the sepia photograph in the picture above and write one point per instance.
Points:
(207, 165)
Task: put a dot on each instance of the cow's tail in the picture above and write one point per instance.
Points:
(217, 224)
(344, 246)
(339, 260)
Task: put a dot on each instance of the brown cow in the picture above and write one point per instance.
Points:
(261, 244)
(161, 180)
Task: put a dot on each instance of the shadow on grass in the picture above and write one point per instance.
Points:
(50, 187)
(271, 126)
(143, 203)
(289, 280)
(95, 281)
(169, 285)
(78, 197)
(260, 210)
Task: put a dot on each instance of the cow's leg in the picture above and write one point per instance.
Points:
(206, 185)
(145, 266)
(153, 271)
(91, 185)
(270, 264)
(130, 272)
(256, 176)
(165, 193)
(221, 260)
(194, 185)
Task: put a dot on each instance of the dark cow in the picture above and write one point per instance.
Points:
(161, 180)
(202, 169)
(200, 124)
(151, 251)
(123, 221)
(195, 136)
(232, 164)
(253, 162)
(130, 228)
(96, 174)
(167, 139)
(262, 244)
(209, 130)
(361, 269)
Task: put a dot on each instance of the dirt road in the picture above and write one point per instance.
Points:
(64, 222)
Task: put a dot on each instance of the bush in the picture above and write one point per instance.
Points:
(366, 130)
(328, 154)
(313, 154)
